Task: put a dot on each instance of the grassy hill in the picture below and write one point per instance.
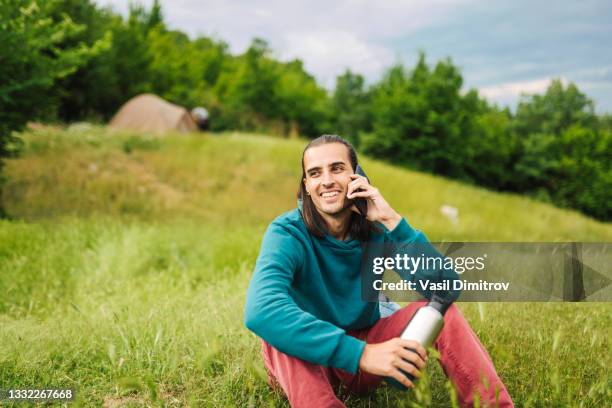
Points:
(124, 267)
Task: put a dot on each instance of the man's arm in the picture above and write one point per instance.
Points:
(402, 239)
(272, 314)
(407, 241)
(378, 208)
(388, 358)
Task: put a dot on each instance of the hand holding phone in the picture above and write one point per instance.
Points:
(361, 203)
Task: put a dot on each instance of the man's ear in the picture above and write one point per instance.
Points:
(304, 181)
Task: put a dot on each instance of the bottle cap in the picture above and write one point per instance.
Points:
(438, 303)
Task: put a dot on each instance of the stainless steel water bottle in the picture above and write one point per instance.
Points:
(424, 327)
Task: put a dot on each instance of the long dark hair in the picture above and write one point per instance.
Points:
(359, 226)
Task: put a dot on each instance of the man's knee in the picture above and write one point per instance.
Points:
(285, 369)
(392, 326)
(410, 309)
(453, 315)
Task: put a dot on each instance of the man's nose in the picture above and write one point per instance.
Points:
(328, 179)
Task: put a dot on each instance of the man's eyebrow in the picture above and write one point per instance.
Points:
(313, 168)
(331, 165)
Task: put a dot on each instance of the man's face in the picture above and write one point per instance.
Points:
(328, 170)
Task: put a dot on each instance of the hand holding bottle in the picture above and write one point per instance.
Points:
(393, 357)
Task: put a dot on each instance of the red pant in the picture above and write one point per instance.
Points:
(463, 358)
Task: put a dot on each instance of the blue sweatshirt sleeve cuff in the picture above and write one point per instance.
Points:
(348, 353)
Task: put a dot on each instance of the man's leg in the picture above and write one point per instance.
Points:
(462, 356)
(466, 362)
(304, 383)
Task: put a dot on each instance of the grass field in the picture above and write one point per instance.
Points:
(124, 266)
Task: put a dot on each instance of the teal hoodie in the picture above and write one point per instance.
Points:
(305, 292)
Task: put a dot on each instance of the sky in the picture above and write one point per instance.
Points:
(503, 48)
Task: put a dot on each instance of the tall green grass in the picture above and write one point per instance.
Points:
(124, 268)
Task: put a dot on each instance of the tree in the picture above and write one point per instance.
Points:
(491, 146)
(351, 107)
(302, 103)
(117, 73)
(393, 117)
(32, 61)
(257, 79)
(555, 111)
(86, 91)
(247, 89)
(419, 118)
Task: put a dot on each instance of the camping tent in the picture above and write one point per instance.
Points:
(150, 113)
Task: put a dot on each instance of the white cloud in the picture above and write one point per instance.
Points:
(514, 89)
(328, 36)
(509, 93)
(331, 52)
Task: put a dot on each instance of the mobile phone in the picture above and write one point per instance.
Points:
(361, 203)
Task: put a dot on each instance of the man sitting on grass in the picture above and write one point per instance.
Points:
(304, 299)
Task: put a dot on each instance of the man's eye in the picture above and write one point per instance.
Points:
(337, 169)
(314, 174)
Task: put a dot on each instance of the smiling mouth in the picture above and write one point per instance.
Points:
(330, 194)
